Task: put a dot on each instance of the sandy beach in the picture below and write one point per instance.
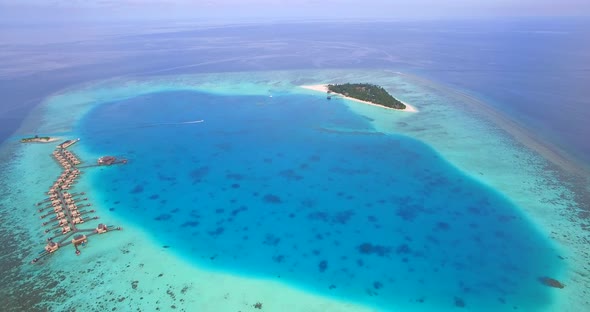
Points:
(324, 88)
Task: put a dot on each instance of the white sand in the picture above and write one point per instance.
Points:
(40, 140)
(324, 88)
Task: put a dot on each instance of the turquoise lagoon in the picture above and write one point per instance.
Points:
(429, 211)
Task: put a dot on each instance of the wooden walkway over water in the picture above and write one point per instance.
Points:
(65, 212)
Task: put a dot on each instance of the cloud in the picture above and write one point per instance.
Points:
(273, 9)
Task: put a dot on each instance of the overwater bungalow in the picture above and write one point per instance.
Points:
(68, 143)
(101, 228)
(79, 239)
(61, 208)
(51, 246)
(106, 160)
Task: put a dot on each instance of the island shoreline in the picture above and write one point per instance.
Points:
(39, 140)
(324, 88)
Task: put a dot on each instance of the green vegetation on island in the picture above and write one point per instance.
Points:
(367, 92)
(38, 139)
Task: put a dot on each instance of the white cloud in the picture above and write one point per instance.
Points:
(171, 9)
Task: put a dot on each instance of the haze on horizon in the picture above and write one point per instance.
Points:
(43, 11)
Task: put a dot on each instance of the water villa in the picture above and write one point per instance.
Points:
(110, 160)
(68, 143)
(65, 211)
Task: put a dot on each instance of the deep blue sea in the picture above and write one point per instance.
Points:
(268, 187)
(533, 69)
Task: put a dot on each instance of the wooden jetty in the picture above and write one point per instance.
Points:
(68, 143)
(63, 211)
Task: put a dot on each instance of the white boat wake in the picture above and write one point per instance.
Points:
(150, 125)
(191, 122)
(172, 123)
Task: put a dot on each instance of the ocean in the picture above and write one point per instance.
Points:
(284, 198)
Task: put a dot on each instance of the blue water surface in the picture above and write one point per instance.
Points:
(535, 70)
(300, 189)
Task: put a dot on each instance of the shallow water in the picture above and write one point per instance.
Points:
(301, 189)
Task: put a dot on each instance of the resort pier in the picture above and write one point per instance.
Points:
(68, 143)
(106, 161)
(64, 208)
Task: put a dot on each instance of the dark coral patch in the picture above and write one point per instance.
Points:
(443, 226)
(377, 285)
(271, 240)
(506, 218)
(190, 224)
(290, 175)
(551, 282)
(460, 303)
(369, 249)
(199, 173)
(217, 231)
(323, 265)
(342, 217)
(137, 189)
(407, 213)
(238, 210)
(163, 217)
(154, 196)
(272, 199)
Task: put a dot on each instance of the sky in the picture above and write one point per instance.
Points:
(39, 11)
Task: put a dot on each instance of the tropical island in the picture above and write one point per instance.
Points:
(38, 139)
(363, 93)
(367, 92)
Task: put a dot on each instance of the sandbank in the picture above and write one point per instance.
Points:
(324, 88)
